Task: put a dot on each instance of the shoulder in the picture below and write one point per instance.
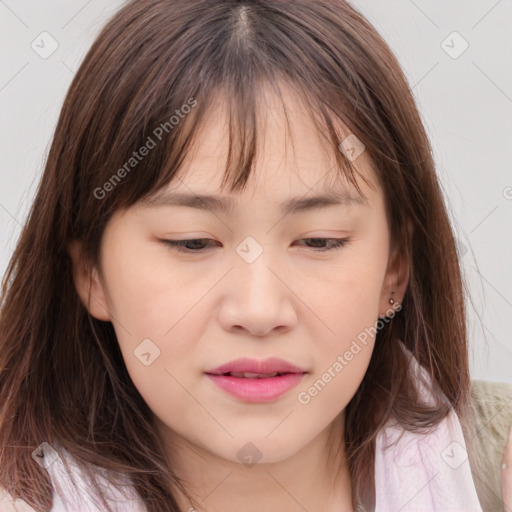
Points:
(492, 409)
(491, 404)
(8, 504)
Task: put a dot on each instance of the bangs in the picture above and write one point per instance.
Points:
(244, 109)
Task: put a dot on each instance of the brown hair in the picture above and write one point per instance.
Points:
(62, 376)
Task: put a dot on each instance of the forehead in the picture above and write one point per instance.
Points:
(293, 156)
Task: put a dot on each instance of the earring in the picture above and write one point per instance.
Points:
(391, 301)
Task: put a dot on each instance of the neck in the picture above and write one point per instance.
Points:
(314, 479)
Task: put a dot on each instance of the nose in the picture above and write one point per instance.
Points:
(258, 300)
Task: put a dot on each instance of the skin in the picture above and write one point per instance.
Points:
(293, 302)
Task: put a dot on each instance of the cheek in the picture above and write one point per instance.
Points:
(341, 364)
(155, 323)
(349, 302)
(147, 293)
(160, 366)
(349, 309)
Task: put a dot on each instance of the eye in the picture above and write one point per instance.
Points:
(198, 244)
(181, 245)
(335, 243)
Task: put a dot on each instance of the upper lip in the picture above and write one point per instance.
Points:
(246, 365)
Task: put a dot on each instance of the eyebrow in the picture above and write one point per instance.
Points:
(226, 205)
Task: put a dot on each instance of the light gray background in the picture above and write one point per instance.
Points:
(466, 104)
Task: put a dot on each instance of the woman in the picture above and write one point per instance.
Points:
(320, 316)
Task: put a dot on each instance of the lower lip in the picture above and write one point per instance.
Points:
(257, 390)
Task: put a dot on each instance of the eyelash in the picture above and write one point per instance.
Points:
(177, 245)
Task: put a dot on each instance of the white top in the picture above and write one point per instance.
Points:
(65, 496)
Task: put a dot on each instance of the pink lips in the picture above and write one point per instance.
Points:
(260, 382)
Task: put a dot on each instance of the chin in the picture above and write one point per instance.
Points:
(259, 450)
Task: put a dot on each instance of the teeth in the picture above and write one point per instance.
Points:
(247, 375)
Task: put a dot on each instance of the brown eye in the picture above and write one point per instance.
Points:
(191, 246)
(333, 243)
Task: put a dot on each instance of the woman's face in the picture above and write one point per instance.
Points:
(259, 288)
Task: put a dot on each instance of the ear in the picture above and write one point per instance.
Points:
(87, 282)
(395, 283)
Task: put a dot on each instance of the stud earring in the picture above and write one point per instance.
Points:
(391, 301)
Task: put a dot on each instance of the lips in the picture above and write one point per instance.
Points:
(253, 369)
(254, 381)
